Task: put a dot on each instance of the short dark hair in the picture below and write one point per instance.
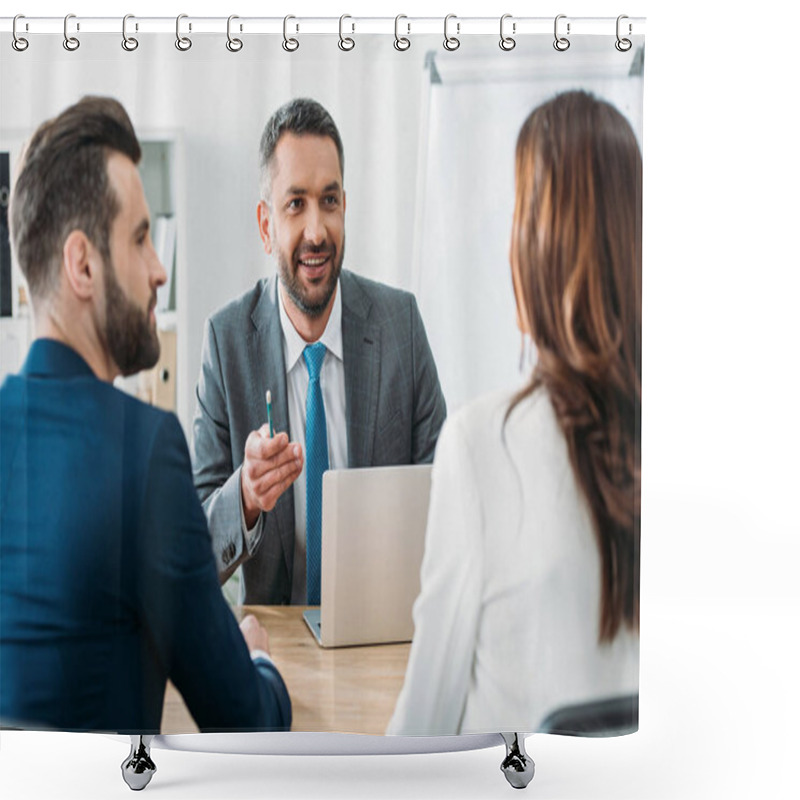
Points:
(299, 116)
(62, 185)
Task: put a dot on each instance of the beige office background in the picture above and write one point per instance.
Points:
(720, 603)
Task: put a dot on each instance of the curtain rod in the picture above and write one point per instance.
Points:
(348, 25)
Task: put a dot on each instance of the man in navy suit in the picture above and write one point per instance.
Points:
(108, 585)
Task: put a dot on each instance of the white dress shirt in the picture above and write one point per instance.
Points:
(506, 623)
(332, 385)
(333, 397)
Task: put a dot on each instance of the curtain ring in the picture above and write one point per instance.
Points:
(19, 43)
(234, 45)
(451, 42)
(507, 42)
(129, 43)
(401, 43)
(71, 43)
(346, 43)
(561, 43)
(183, 43)
(623, 45)
(290, 44)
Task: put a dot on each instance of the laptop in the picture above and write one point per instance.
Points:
(373, 539)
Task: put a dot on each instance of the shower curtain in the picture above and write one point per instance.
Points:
(428, 137)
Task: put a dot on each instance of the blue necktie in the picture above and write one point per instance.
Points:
(316, 464)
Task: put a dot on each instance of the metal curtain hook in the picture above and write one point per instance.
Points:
(401, 43)
(233, 44)
(290, 44)
(507, 42)
(129, 43)
(19, 43)
(70, 42)
(451, 42)
(183, 43)
(623, 45)
(346, 42)
(561, 43)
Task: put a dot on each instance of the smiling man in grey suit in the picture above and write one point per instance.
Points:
(346, 361)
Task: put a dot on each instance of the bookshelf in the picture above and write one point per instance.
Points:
(161, 172)
(16, 324)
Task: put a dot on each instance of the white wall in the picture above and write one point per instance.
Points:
(428, 169)
(721, 542)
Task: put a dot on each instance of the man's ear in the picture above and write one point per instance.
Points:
(263, 212)
(82, 264)
(344, 201)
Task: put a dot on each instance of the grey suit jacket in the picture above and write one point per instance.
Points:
(394, 407)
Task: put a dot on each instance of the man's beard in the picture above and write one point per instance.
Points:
(297, 292)
(132, 342)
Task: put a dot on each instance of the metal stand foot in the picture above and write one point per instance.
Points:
(517, 766)
(138, 768)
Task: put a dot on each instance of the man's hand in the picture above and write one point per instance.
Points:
(270, 466)
(255, 634)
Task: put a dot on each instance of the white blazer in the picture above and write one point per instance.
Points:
(506, 623)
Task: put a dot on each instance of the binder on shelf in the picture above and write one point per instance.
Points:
(6, 303)
(164, 237)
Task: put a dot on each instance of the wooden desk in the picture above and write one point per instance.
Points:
(343, 690)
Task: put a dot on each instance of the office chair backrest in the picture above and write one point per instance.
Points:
(615, 716)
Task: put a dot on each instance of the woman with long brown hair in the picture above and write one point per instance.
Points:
(530, 581)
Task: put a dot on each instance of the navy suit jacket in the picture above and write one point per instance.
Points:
(108, 585)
